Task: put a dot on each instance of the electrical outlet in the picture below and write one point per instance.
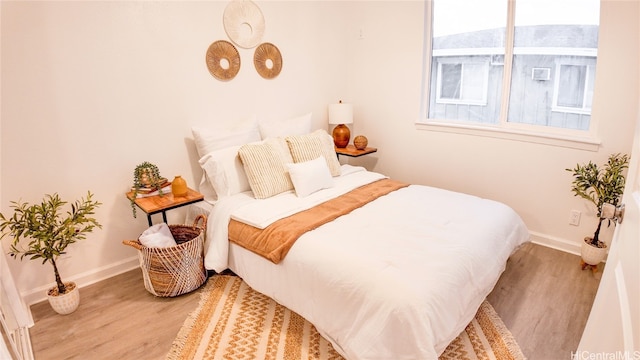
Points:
(574, 218)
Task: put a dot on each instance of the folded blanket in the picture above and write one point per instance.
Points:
(157, 236)
(274, 242)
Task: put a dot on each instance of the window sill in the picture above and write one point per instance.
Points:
(560, 140)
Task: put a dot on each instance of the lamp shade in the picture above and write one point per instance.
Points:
(340, 113)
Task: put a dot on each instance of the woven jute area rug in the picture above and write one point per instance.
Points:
(234, 322)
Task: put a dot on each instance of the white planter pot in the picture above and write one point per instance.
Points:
(66, 303)
(592, 255)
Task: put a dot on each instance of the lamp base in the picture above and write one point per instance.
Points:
(341, 135)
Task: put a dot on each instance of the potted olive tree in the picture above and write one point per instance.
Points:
(49, 232)
(599, 185)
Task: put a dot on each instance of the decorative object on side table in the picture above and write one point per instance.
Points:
(179, 186)
(341, 114)
(599, 186)
(360, 142)
(49, 235)
(147, 182)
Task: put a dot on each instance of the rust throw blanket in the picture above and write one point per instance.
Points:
(275, 240)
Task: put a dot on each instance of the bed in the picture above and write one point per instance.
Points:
(398, 276)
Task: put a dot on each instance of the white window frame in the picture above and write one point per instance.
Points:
(577, 139)
(461, 101)
(556, 87)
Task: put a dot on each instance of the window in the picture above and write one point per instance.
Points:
(462, 83)
(467, 60)
(574, 88)
(525, 65)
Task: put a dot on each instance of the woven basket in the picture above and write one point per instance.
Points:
(174, 270)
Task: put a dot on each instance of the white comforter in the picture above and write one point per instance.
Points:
(399, 278)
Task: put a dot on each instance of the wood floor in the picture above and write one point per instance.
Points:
(543, 297)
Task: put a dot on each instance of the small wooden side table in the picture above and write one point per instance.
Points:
(162, 203)
(351, 151)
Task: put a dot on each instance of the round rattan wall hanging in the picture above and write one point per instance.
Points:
(244, 23)
(267, 60)
(223, 60)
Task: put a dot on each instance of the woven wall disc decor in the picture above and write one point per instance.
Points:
(244, 23)
(223, 60)
(267, 60)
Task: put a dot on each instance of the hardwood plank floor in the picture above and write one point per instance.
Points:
(543, 297)
(117, 319)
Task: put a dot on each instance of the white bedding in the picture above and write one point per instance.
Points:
(260, 213)
(399, 278)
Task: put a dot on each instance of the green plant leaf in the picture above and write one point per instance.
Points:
(44, 228)
(600, 185)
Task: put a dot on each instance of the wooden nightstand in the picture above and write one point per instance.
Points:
(162, 203)
(351, 151)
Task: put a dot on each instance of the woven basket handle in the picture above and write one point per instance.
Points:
(204, 221)
(133, 243)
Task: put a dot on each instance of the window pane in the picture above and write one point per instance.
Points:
(571, 85)
(467, 59)
(473, 82)
(560, 35)
(451, 76)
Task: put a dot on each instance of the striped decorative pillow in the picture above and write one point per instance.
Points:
(264, 163)
(313, 145)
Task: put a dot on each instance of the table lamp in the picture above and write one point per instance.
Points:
(341, 114)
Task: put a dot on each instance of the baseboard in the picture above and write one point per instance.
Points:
(105, 272)
(85, 279)
(555, 243)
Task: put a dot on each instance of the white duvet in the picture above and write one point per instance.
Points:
(398, 278)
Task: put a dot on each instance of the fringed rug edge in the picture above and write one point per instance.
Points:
(505, 334)
(186, 330)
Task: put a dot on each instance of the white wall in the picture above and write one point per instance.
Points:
(90, 89)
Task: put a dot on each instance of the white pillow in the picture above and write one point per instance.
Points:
(310, 146)
(264, 163)
(310, 176)
(157, 236)
(224, 171)
(207, 190)
(280, 128)
(212, 138)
